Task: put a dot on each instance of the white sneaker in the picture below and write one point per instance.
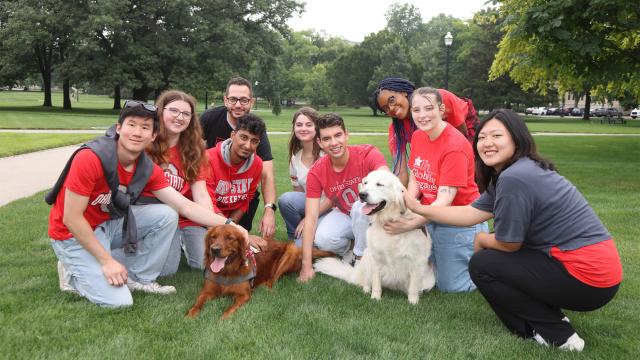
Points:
(573, 343)
(539, 339)
(64, 279)
(151, 288)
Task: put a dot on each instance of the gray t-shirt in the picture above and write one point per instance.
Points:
(541, 209)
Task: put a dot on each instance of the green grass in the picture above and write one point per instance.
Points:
(23, 110)
(324, 318)
(20, 143)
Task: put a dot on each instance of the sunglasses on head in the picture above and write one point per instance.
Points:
(136, 103)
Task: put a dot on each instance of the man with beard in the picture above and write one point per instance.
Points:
(236, 169)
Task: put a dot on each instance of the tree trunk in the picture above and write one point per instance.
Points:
(66, 100)
(116, 97)
(587, 103)
(44, 56)
(141, 94)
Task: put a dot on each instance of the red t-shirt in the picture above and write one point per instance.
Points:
(86, 178)
(342, 187)
(455, 113)
(446, 161)
(228, 189)
(597, 265)
(455, 109)
(174, 173)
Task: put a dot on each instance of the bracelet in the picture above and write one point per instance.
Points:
(229, 221)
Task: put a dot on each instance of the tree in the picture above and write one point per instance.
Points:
(39, 32)
(478, 44)
(574, 45)
(403, 19)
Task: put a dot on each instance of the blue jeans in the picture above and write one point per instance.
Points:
(156, 225)
(452, 249)
(191, 240)
(336, 230)
(291, 205)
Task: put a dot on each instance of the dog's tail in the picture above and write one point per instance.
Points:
(335, 268)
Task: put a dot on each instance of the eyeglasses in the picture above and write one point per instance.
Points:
(175, 113)
(243, 100)
(391, 101)
(136, 103)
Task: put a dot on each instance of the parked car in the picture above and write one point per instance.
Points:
(528, 111)
(539, 111)
(577, 112)
(567, 111)
(635, 113)
(553, 111)
(607, 112)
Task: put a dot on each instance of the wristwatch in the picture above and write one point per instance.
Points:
(229, 221)
(271, 205)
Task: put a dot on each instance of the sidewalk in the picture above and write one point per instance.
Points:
(26, 174)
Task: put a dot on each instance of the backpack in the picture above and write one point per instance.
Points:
(105, 147)
(472, 121)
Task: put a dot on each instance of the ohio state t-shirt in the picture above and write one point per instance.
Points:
(174, 173)
(445, 161)
(342, 187)
(86, 178)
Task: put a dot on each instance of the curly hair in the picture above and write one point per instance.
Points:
(192, 148)
(294, 143)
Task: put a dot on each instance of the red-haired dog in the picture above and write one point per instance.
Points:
(232, 269)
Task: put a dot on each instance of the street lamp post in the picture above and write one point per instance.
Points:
(448, 40)
(255, 90)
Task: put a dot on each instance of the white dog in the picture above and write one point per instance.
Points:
(398, 262)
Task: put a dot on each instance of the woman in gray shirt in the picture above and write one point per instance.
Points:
(549, 251)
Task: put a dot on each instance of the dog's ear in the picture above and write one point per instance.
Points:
(398, 195)
(208, 238)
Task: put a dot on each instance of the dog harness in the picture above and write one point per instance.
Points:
(232, 280)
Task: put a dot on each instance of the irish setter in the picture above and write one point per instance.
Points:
(232, 269)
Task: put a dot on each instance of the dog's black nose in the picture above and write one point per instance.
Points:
(215, 251)
(363, 196)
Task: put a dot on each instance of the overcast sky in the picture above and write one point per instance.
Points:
(355, 19)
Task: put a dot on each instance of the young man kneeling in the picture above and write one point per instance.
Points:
(90, 217)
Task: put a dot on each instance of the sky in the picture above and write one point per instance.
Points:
(355, 19)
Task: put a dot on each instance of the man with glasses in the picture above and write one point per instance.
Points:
(217, 125)
(97, 208)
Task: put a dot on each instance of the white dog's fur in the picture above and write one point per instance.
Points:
(398, 262)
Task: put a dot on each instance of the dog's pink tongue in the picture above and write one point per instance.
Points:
(218, 264)
(368, 208)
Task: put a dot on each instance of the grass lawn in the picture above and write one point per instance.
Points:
(23, 110)
(20, 143)
(324, 318)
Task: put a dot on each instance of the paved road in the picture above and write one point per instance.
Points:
(27, 174)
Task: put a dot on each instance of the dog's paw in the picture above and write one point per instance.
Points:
(366, 289)
(192, 313)
(375, 295)
(413, 299)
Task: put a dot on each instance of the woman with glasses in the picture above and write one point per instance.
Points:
(392, 97)
(303, 153)
(441, 173)
(180, 152)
